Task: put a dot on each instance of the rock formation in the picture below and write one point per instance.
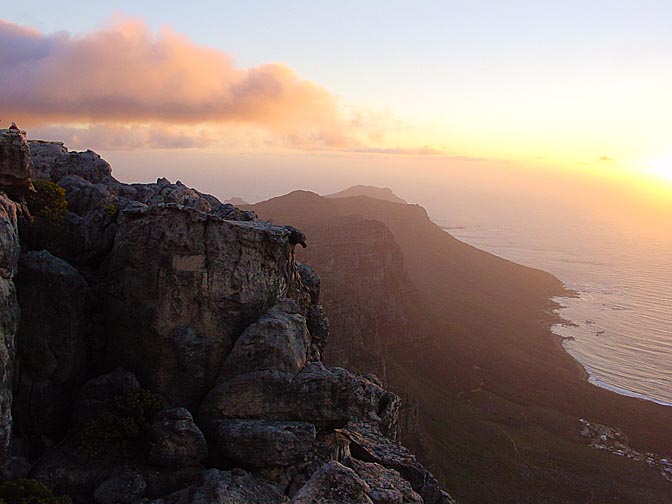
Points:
(170, 352)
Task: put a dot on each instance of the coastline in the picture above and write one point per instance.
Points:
(587, 372)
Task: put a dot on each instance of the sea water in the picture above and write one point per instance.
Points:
(620, 325)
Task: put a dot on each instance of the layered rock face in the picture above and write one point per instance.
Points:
(201, 339)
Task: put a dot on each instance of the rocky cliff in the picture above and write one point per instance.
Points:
(170, 351)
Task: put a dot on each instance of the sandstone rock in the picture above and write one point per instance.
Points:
(15, 164)
(123, 488)
(278, 340)
(175, 440)
(226, 487)
(262, 443)
(334, 484)
(188, 284)
(9, 315)
(316, 394)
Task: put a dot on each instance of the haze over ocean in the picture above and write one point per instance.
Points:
(621, 323)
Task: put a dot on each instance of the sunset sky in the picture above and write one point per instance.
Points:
(380, 89)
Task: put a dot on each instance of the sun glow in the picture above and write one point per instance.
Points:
(662, 167)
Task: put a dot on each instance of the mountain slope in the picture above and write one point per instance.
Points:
(496, 392)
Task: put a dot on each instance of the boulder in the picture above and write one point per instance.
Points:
(325, 396)
(278, 340)
(262, 443)
(334, 484)
(225, 487)
(175, 440)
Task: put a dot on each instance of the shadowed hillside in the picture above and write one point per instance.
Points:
(496, 392)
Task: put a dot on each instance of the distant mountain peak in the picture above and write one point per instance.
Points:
(381, 193)
(235, 200)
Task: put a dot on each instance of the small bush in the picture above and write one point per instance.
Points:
(123, 427)
(48, 202)
(28, 491)
(111, 210)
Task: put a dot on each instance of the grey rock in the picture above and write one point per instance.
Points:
(225, 487)
(262, 443)
(311, 280)
(334, 484)
(369, 445)
(16, 165)
(296, 236)
(175, 440)
(318, 326)
(316, 394)
(9, 315)
(123, 488)
(278, 340)
(387, 486)
(188, 284)
(87, 165)
(43, 155)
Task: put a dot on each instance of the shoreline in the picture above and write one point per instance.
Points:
(586, 372)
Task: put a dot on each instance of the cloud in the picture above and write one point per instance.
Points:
(121, 137)
(126, 74)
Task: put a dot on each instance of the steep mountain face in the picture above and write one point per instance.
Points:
(496, 393)
(170, 351)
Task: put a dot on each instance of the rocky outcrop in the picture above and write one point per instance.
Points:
(188, 284)
(172, 303)
(16, 165)
(9, 316)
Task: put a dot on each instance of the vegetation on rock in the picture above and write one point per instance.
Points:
(29, 491)
(128, 420)
(48, 202)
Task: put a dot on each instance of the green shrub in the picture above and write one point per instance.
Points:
(111, 209)
(28, 491)
(48, 202)
(124, 426)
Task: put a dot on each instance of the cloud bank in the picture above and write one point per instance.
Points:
(127, 75)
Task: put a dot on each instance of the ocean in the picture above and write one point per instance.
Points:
(620, 325)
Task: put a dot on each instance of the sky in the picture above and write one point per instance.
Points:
(503, 96)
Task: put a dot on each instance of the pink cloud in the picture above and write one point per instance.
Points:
(127, 74)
